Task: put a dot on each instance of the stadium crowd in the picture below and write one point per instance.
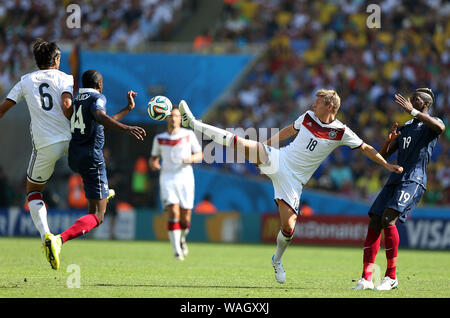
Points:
(315, 44)
(311, 45)
(114, 23)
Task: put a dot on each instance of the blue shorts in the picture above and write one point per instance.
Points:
(94, 176)
(402, 197)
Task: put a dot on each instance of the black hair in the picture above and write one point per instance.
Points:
(427, 91)
(91, 79)
(45, 53)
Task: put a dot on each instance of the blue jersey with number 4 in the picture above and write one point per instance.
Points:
(87, 134)
(415, 146)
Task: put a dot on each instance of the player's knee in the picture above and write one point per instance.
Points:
(389, 218)
(385, 222)
(288, 229)
(375, 223)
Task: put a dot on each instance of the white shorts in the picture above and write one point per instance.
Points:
(177, 189)
(285, 186)
(43, 160)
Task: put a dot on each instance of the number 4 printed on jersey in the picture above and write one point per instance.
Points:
(76, 121)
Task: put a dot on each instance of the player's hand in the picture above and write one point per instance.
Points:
(404, 103)
(130, 97)
(137, 132)
(155, 165)
(393, 133)
(394, 168)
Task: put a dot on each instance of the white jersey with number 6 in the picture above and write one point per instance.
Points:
(42, 91)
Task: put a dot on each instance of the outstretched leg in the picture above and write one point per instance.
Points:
(253, 151)
(83, 225)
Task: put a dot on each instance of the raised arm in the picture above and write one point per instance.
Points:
(390, 146)
(130, 105)
(110, 123)
(5, 106)
(432, 123)
(373, 155)
(283, 134)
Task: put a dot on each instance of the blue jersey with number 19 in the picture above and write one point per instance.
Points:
(87, 134)
(415, 147)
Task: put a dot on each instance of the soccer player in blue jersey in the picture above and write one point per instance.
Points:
(414, 142)
(86, 157)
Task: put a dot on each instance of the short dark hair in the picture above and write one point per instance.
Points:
(91, 79)
(427, 91)
(45, 53)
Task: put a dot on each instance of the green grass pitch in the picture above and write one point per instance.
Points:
(147, 269)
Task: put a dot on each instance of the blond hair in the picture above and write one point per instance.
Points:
(330, 96)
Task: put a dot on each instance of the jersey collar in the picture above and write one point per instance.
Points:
(88, 90)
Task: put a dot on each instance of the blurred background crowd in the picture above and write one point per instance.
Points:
(310, 45)
(365, 66)
(122, 24)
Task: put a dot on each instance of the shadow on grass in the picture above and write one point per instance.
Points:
(196, 286)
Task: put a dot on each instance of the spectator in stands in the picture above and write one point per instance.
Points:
(306, 209)
(205, 206)
(140, 182)
(202, 41)
(76, 196)
(340, 173)
(367, 68)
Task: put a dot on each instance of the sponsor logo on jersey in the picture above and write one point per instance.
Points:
(172, 142)
(322, 132)
(332, 134)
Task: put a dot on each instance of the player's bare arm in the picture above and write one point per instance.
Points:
(110, 123)
(373, 155)
(5, 106)
(130, 105)
(154, 164)
(66, 104)
(283, 134)
(390, 146)
(194, 158)
(422, 114)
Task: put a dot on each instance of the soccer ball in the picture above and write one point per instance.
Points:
(159, 107)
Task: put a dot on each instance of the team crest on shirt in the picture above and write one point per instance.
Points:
(332, 134)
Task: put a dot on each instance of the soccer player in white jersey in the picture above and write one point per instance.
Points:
(178, 148)
(317, 133)
(48, 94)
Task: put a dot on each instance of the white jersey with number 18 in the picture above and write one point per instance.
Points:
(314, 142)
(42, 91)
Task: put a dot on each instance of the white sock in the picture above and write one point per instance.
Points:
(174, 237)
(282, 243)
(221, 136)
(184, 233)
(38, 213)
